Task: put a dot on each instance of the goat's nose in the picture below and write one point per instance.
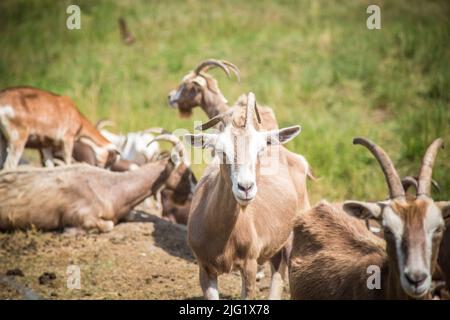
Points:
(416, 277)
(245, 186)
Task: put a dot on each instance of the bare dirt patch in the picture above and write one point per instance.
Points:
(144, 258)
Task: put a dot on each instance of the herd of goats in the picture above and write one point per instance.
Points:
(237, 218)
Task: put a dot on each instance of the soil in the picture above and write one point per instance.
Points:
(145, 257)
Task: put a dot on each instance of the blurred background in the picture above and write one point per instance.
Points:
(314, 62)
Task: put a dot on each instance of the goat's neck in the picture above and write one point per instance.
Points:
(132, 187)
(213, 104)
(222, 216)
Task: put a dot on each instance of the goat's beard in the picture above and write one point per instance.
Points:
(185, 113)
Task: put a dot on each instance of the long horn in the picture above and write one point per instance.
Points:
(215, 120)
(391, 175)
(426, 169)
(251, 102)
(104, 123)
(178, 145)
(233, 68)
(205, 66)
(408, 182)
(156, 130)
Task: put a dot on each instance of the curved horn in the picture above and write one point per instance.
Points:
(215, 120)
(103, 123)
(156, 130)
(178, 145)
(391, 175)
(408, 182)
(233, 68)
(251, 103)
(426, 169)
(205, 66)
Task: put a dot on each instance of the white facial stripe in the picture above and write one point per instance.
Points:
(433, 220)
(393, 222)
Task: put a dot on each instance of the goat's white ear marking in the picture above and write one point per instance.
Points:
(362, 210)
(200, 81)
(282, 136)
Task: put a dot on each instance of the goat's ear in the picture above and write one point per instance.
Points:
(202, 140)
(363, 210)
(445, 209)
(281, 136)
(200, 81)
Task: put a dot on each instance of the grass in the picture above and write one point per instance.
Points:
(314, 62)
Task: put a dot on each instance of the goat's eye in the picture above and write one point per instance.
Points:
(438, 231)
(388, 232)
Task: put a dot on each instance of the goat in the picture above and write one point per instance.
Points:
(176, 195)
(198, 88)
(76, 195)
(333, 250)
(33, 118)
(134, 146)
(231, 225)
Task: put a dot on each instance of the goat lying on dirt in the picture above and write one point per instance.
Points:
(75, 196)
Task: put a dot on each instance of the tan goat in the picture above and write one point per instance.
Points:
(334, 253)
(33, 118)
(231, 225)
(198, 88)
(75, 196)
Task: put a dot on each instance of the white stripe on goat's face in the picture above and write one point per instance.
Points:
(414, 229)
(239, 146)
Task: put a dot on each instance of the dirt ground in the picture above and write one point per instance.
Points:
(145, 257)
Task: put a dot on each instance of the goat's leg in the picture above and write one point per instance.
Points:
(67, 150)
(208, 282)
(248, 276)
(15, 150)
(90, 222)
(47, 157)
(278, 265)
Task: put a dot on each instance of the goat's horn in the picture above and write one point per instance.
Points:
(205, 66)
(179, 146)
(214, 120)
(251, 102)
(409, 181)
(426, 169)
(233, 68)
(258, 117)
(156, 130)
(391, 175)
(103, 123)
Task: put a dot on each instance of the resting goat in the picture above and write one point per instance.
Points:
(176, 195)
(334, 253)
(33, 118)
(231, 225)
(133, 146)
(75, 196)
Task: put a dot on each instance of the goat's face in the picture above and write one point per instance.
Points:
(189, 94)
(182, 182)
(238, 148)
(412, 228)
(413, 231)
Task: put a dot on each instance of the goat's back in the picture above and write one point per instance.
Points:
(331, 253)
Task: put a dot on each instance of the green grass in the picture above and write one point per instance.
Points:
(314, 62)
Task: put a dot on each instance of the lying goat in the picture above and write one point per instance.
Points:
(75, 196)
(33, 118)
(334, 253)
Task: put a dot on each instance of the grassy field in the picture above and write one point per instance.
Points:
(314, 62)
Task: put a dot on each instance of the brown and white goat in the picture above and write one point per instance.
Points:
(176, 195)
(76, 195)
(240, 217)
(334, 253)
(33, 118)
